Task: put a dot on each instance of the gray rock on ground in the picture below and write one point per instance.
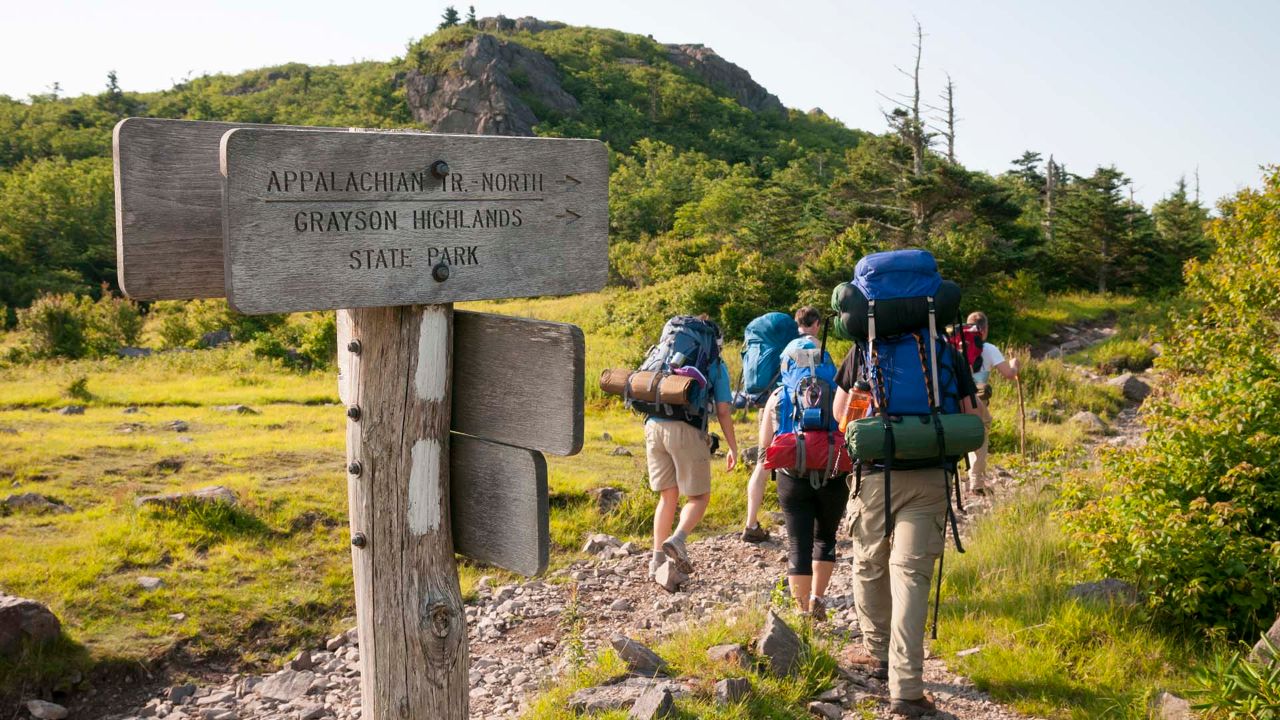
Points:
(1133, 387)
(1167, 706)
(36, 504)
(732, 690)
(146, 582)
(1106, 590)
(607, 498)
(620, 451)
(237, 409)
(640, 660)
(733, 654)
(1090, 422)
(46, 710)
(211, 495)
(825, 710)
(600, 542)
(1261, 653)
(286, 685)
(669, 577)
(617, 696)
(71, 410)
(654, 703)
(780, 645)
(25, 621)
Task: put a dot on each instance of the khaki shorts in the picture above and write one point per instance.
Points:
(679, 456)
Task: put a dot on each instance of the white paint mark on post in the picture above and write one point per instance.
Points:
(424, 487)
(433, 355)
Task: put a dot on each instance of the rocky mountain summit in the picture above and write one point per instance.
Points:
(497, 86)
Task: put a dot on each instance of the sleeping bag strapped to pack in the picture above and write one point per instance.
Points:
(806, 440)
(762, 346)
(901, 282)
(688, 346)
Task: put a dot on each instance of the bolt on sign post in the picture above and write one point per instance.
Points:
(448, 413)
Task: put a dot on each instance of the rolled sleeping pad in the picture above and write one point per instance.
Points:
(670, 389)
(915, 437)
(893, 317)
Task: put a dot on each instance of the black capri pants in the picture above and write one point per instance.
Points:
(812, 519)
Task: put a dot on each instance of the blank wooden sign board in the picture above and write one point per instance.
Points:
(448, 413)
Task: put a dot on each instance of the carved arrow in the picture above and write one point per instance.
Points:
(569, 213)
(569, 179)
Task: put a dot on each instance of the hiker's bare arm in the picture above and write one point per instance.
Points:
(724, 413)
(840, 403)
(974, 406)
(1009, 369)
(767, 428)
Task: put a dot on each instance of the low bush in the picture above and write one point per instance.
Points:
(184, 324)
(1233, 687)
(75, 326)
(1192, 517)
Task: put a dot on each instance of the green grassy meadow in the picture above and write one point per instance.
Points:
(254, 583)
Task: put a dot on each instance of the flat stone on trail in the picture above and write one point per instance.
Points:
(825, 710)
(731, 690)
(179, 693)
(25, 620)
(1091, 423)
(733, 653)
(640, 660)
(36, 504)
(1107, 590)
(599, 542)
(1132, 386)
(210, 495)
(669, 577)
(780, 644)
(46, 710)
(617, 696)
(286, 685)
(654, 703)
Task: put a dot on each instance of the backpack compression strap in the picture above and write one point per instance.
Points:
(890, 448)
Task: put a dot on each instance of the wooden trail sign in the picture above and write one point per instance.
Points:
(263, 219)
(321, 220)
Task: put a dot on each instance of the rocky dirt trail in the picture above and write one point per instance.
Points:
(519, 643)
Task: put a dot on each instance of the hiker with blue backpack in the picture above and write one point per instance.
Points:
(808, 459)
(915, 413)
(677, 447)
(765, 340)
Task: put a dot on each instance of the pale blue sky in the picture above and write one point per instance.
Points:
(1155, 88)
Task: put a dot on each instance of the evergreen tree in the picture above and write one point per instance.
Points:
(1179, 225)
(450, 18)
(1093, 229)
(471, 17)
(1027, 168)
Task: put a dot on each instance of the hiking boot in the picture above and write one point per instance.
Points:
(755, 534)
(674, 548)
(858, 657)
(654, 564)
(912, 708)
(817, 609)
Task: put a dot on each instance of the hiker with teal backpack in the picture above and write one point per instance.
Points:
(765, 339)
(919, 415)
(677, 447)
(808, 459)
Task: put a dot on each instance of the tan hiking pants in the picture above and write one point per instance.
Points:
(892, 574)
(978, 463)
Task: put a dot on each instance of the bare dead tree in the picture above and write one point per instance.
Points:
(948, 119)
(905, 119)
(1050, 190)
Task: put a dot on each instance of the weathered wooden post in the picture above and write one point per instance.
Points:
(394, 227)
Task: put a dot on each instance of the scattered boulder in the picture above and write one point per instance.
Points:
(1053, 354)
(35, 504)
(25, 620)
(825, 710)
(670, 577)
(1167, 706)
(286, 685)
(146, 582)
(1107, 590)
(210, 495)
(751, 455)
(640, 660)
(1090, 422)
(620, 605)
(733, 654)
(133, 352)
(179, 693)
(618, 696)
(1133, 387)
(705, 63)
(132, 409)
(1262, 654)
(654, 703)
(215, 339)
(607, 498)
(237, 409)
(600, 542)
(731, 690)
(46, 710)
(606, 436)
(301, 661)
(177, 426)
(335, 642)
(71, 410)
(780, 645)
(620, 451)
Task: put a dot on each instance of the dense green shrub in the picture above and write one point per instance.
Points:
(1193, 516)
(307, 341)
(185, 323)
(1233, 687)
(74, 326)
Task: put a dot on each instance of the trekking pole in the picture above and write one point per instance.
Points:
(1022, 419)
(937, 596)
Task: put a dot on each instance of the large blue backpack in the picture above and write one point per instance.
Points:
(686, 342)
(806, 440)
(762, 346)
